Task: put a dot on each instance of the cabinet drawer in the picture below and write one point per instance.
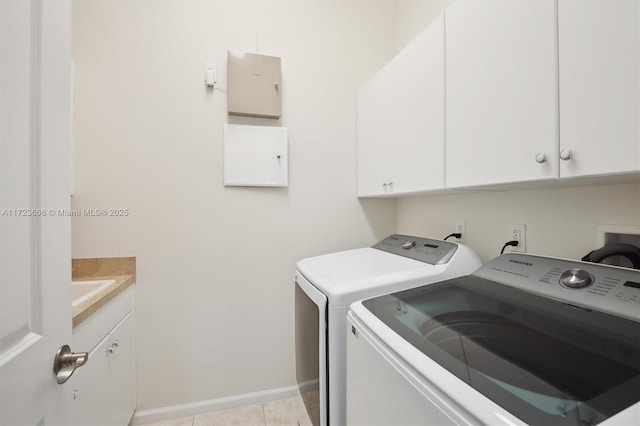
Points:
(91, 331)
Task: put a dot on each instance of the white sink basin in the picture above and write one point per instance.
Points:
(83, 290)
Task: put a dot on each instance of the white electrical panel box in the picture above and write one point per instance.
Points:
(253, 85)
(255, 156)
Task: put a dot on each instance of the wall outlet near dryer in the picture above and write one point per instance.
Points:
(518, 233)
(461, 228)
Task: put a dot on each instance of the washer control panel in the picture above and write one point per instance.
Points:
(606, 288)
(434, 252)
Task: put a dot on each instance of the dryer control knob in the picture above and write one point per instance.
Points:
(576, 278)
(408, 244)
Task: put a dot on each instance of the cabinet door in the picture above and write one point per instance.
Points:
(122, 371)
(92, 399)
(501, 85)
(374, 134)
(106, 384)
(599, 84)
(401, 120)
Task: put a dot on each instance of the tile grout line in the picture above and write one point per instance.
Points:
(192, 421)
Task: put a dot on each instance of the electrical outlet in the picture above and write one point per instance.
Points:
(461, 228)
(517, 232)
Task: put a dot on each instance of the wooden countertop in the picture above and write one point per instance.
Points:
(120, 269)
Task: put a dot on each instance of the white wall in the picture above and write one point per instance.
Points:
(215, 264)
(412, 16)
(560, 222)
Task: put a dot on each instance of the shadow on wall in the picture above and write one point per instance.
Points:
(381, 215)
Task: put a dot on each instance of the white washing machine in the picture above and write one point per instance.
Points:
(326, 285)
(523, 340)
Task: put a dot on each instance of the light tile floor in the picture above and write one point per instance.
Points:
(276, 413)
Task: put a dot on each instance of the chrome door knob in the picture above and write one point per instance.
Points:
(66, 362)
(565, 154)
(541, 158)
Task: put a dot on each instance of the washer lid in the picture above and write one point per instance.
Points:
(543, 360)
(352, 275)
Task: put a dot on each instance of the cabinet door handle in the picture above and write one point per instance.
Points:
(541, 157)
(66, 362)
(113, 346)
(565, 154)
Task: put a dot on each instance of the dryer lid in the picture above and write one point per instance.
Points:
(350, 275)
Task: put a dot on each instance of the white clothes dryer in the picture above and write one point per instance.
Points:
(326, 286)
(523, 340)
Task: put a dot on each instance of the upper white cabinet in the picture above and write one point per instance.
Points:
(502, 92)
(401, 120)
(533, 90)
(599, 86)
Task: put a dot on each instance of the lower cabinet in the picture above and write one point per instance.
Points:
(105, 388)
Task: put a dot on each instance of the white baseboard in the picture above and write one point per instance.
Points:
(201, 407)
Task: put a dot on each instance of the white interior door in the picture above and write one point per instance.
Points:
(35, 175)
